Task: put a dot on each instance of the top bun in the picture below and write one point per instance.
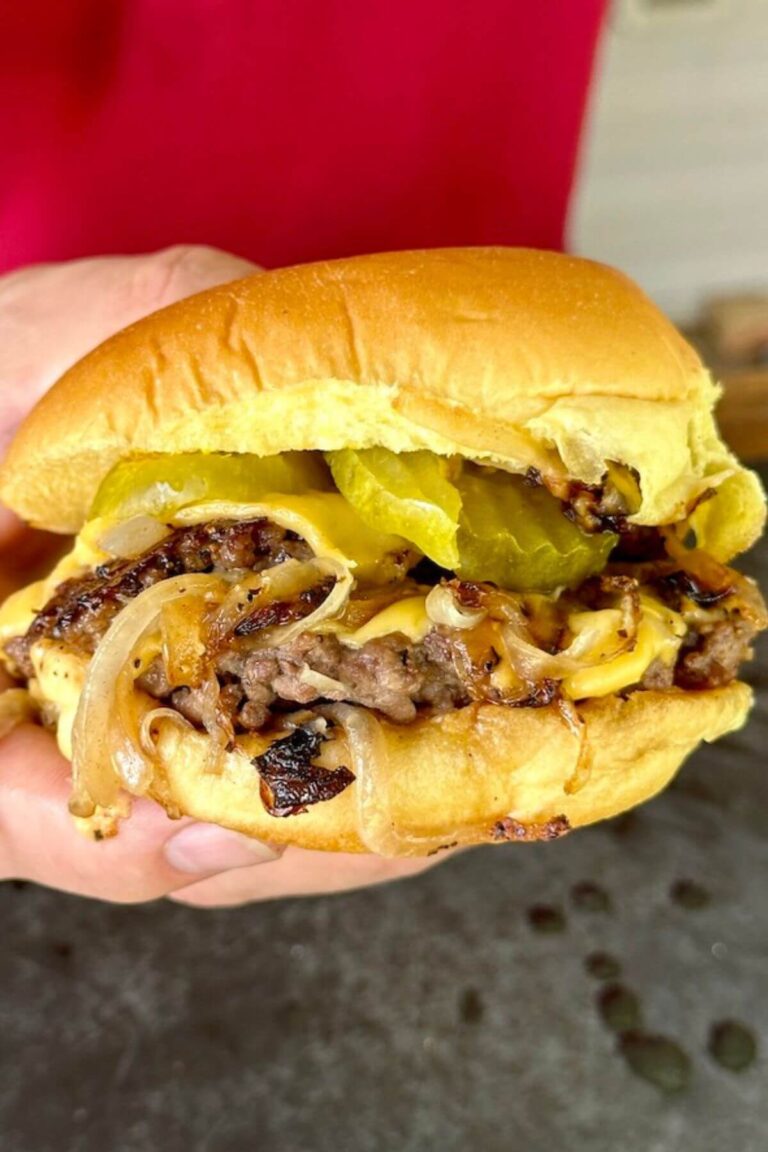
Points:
(518, 357)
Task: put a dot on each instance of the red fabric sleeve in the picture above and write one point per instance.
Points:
(287, 130)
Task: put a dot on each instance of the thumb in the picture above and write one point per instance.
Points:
(52, 314)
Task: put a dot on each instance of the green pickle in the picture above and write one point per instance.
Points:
(517, 537)
(409, 494)
(484, 524)
(161, 485)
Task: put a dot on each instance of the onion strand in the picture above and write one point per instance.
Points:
(111, 748)
(376, 823)
(147, 736)
(577, 725)
(106, 750)
(443, 608)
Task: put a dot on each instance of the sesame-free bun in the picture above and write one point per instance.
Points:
(517, 357)
(469, 769)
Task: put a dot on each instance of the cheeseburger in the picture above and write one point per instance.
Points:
(386, 554)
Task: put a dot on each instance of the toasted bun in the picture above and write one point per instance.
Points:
(471, 769)
(507, 355)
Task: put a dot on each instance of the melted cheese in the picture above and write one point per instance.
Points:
(659, 635)
(408, 616)
(60, 674)
(325, 520)
(59, 679)
(504, 678)
(20, 609)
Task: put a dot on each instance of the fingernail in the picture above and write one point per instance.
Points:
(202, 849)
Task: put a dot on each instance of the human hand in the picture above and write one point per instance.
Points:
(51, 315)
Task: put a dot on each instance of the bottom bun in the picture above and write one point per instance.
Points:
(480, 774)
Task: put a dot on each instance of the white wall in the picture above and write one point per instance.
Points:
(674, 174)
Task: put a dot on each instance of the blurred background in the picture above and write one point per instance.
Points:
(674, 181)
(674, 172)
(504, 1000)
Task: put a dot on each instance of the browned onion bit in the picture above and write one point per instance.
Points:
(290, 782)
(468, 592)
(285, 611)
(686, 584)
(541, 695)
(511, 829)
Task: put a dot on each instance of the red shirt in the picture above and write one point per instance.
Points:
(287, 130)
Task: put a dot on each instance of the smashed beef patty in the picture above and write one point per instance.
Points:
(81, 610)
(391, 674)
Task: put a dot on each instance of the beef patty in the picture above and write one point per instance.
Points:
(82, 609)
(391, 674)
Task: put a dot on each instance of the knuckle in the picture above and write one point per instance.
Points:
(180, 270)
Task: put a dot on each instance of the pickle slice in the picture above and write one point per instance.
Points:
(161, 485)
(408, 494)
(484, 525)
(517, 537)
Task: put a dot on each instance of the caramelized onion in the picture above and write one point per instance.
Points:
(504, 657)
(323, 685)
(605, 634)
(217, 723)
(376, 825)
(236, 605)
(710, 575)
(280, 588)
(146, 736)
(576, 724)
(628, 592)
(443, 608)
(183, 642)
(106, 748)
(283, 582)
(131, 537)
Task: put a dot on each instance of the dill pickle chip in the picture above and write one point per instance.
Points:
(409, 494)
(517, 537)
(161, 485)
(484, 524)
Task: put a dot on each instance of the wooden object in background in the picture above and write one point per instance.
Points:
(736, 329)
(732, 338)
(743, 412)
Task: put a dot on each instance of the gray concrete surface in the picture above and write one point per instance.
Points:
(429, 1015)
